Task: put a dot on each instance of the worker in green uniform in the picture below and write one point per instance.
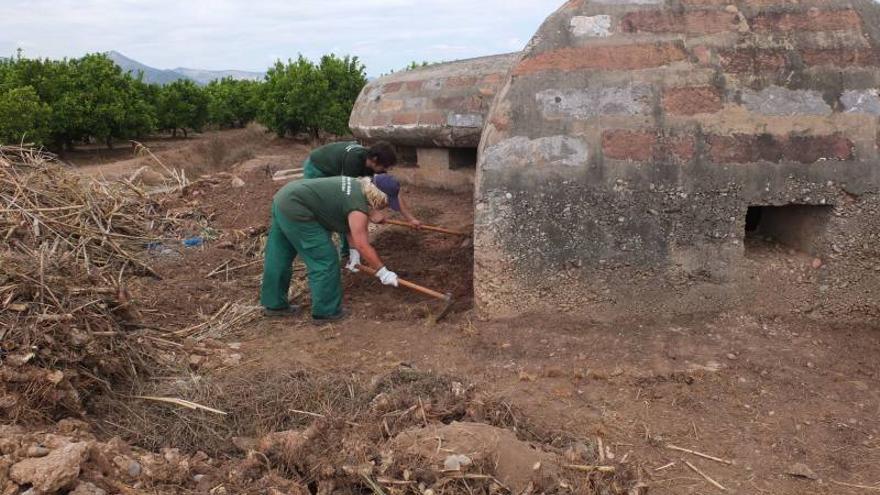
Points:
(304, 214)
(353, 160)
(349, 158)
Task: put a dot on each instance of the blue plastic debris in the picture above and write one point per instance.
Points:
(194, 241)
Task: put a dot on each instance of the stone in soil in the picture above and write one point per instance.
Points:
(53, 472)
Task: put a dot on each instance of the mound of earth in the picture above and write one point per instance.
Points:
(460, 448)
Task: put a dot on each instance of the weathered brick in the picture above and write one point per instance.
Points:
(682, 147)
(703, 54)
(861, 101)
(449, 101)
(597, 26)
(460, 82)
(695, 22)
(812, 20)
(432, 118)
(592, 102)
(751, 60)
(749, 148)
(647, 145)
(390, 105)
(623, 144)
(473, 104)
(614, 57)
(492, 79)
(413, 85)
(705, 3)
(380, 120)
(405, 118)
(392, 87)
(500, 121)
(549, 151)
(473, 120)
(739, 148)
(627, 2)
(777, 100)
(692, 100)
(842, 57)
(809, 149)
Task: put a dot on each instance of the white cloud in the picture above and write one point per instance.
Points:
(244, 34)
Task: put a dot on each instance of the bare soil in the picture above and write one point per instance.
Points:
(763, 393)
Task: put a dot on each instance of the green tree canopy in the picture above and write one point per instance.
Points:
(346, 77)
(301, 96)
(293, 97)
(182, 105)
(23, 117)
(233, 103)
(64, 102)
(98, 100)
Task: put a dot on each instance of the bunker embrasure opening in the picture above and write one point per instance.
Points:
(463, 158)
(798, 227)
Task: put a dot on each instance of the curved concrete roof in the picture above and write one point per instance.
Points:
(440, 105)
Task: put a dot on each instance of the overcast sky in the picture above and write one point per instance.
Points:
(252, 34)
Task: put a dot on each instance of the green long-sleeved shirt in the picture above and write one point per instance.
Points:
(327, 201)
(346, 158)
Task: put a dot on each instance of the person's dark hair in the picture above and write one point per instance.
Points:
(383, 153)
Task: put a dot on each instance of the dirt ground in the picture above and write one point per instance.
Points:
(772, 396)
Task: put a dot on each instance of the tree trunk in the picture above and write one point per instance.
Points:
(109, 143)
(185, 134)
(174, 132)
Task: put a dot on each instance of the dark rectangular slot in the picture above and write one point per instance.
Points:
(799, 227)
(462, 158)
(407, 156)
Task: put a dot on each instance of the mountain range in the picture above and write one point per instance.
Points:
(167, 76)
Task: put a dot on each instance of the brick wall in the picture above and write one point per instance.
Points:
(632, 135)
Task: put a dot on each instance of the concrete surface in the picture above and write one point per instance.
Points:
(621, 156)
(442, 105)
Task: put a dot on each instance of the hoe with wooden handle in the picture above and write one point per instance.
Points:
(428, 227)
(287, 175)
(446, 298)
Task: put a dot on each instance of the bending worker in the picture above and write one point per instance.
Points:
(304, 213)
(350, 159)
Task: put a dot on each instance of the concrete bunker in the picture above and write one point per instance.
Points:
(434, 115)
(636, 147)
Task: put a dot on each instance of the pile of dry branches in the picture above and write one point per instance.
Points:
(81, 221)
(65, 318)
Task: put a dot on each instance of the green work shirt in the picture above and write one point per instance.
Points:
(327, 201)
(347, 158)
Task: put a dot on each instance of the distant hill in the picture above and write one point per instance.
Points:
(160, 76)
(151, 75)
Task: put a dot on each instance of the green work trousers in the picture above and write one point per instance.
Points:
(310, 171)
(311, 241)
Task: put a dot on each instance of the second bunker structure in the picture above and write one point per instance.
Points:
(434, 115)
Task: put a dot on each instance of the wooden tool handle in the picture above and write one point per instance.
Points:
(409, 285)
(287, 174)
(427, 227)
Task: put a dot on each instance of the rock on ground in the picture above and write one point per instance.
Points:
(87, 489)
(53, 472)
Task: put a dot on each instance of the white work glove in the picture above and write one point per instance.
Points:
(387, 277)
(354, 259)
